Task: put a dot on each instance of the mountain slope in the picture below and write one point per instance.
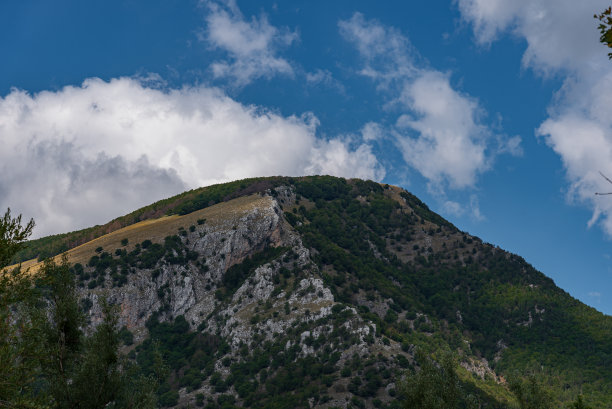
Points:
(316, 291)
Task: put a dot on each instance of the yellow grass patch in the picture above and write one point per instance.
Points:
(220, 215)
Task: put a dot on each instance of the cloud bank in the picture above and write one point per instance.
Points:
(562, 40)
(110, 147)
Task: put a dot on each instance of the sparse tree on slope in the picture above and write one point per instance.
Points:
(579, 404)
(435, 386)
(530, 394)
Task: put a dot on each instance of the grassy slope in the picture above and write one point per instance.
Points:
(181, 204)
(155, 229)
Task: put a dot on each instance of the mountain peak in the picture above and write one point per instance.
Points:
(317, 291)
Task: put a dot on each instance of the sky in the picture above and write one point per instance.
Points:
(497, 114)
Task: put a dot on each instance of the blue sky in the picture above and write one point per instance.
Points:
(497, 114)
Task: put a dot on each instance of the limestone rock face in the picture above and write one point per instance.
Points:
(189, 289)
(271, 299)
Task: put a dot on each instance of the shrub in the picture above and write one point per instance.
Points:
(169, 399)
(126, 336)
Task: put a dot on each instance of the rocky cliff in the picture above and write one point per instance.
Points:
(187, 280)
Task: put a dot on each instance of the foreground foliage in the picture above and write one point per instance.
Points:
(46, 359)
(605, 28)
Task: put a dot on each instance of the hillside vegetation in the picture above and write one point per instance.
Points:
(326, 300)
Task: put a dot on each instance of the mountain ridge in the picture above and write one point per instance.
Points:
(370, 253)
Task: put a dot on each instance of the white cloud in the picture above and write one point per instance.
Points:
(451, 144)
(324, 77)
(560, 34)
(439, 131)
(334, 157)
(510, 145)
(251, 46)
(596, 295)
(372, 131)
(581, 134)
(475, 209)
(387, 54)
(319, 76)
(110, 147)
(562, 39)
(453, 208)
(457, 209)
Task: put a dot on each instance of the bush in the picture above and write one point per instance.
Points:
(126, 336)
(169, 399)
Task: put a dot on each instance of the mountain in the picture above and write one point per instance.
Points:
(317, 291)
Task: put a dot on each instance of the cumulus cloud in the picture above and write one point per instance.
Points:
(251, 45)
(579, 130)
(562, 39)
(110, 147)
(451, 144)
(560, 34)
(440, 131)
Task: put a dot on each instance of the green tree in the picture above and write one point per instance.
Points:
(19, 339)
(435, 386)
(61, 322)
(46, 360)
(530, 394)
(82, 371)
(605, 28)
(579, 404)
(12, 236)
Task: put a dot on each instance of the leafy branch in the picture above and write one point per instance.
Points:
(605, 28)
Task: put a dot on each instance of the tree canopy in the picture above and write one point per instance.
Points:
(12, 236)
(46, 358)
(435, 386)
(605, 28)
